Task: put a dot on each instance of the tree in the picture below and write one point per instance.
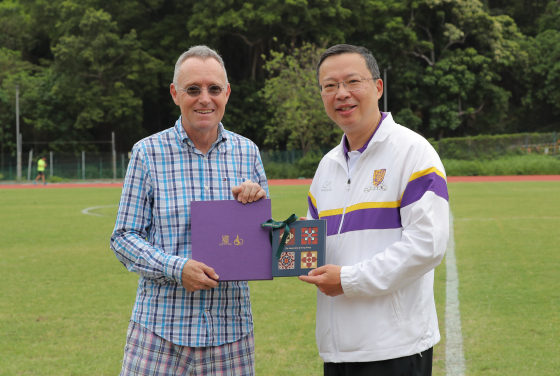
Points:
(89, 67)
(13, 71)
(298, 118)
(254, 27)
(447, 75)
(535, 87)
(102, 75)
(524, 12)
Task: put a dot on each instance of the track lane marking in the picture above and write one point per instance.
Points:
(504, 219)
(454, 357)
(86, 210)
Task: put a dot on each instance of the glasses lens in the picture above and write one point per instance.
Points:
(193, 91)
(353, 84)
(329, 88)
(214, 90)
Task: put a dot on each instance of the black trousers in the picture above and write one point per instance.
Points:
(413, 365)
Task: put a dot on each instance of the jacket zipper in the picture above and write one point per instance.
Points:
(336, 262)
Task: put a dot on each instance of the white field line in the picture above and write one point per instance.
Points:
(504, 219)
(86, 210)
(454, 358)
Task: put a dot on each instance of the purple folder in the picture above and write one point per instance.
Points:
(227, 236)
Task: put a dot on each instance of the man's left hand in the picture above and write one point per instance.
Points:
(326, 278)
(248, 192)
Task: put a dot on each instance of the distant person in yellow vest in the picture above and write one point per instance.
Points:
(41, 170)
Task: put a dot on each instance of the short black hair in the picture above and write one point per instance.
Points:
(340, 49)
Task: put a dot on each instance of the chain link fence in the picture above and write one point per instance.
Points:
(280, 164)
(490, 147)
(63, 167)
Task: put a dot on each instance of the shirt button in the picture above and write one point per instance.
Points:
(206, 188)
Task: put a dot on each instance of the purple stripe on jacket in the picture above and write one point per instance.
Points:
(417, 187)
(312, 208)
(372, 219)
(365, 219)
(333, 223)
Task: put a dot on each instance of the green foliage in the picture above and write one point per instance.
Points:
(279, 170)
(14, 28)
(544, 79)
(459, 67)
(307, 165)
(105, 73)
(258, 25)
(550, 18)
(298, 118)
(517, 165)
(246, 111)
(489, 147)
(304, 167)
(57, 179)
(448, 76)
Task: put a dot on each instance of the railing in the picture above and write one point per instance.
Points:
(66, 166)
(286, 164)
(489, 147)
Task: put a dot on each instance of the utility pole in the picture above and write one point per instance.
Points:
(114, 156)
(18, 138)
(29, 165)
(385, 87)
(83, 165)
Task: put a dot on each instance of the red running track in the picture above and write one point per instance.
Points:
(450, 179)
(484, 179)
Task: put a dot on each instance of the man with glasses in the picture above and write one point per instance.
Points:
(184, 321)
(383, 193)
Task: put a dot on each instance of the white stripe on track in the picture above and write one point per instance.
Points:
(505, 218)
(86, 210)
(454, 358)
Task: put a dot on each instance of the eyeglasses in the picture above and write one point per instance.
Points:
(352, 84)
(194, 91)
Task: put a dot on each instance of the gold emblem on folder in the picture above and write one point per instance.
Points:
(225, 240)
(238, 241)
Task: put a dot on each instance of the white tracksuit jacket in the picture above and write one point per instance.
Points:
(388, 226)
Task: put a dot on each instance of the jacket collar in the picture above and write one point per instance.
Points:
(364, 147)
(380, 134)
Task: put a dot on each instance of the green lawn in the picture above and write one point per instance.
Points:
(508, 257)
(66, 300)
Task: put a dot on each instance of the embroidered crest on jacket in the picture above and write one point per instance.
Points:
(378, 177)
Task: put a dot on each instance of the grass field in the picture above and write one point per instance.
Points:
(66, 300)
(508, 256)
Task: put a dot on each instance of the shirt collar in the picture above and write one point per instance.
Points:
(361, 150)
(185, 137)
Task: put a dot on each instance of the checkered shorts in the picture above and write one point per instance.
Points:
(146, 353)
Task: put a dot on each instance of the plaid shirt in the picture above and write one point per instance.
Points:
(152, 235)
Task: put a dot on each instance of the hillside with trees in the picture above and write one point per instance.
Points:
(454, 67)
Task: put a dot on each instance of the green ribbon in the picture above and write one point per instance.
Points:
(274, 225)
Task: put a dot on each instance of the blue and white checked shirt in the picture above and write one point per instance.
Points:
(152, 235)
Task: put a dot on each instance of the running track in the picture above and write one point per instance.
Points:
(450, 179)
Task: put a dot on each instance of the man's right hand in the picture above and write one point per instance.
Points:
(197, 276)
